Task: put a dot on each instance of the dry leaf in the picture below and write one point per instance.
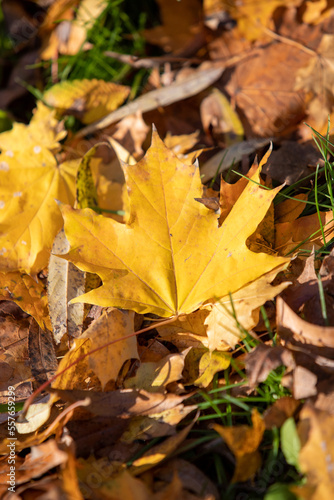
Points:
(160, 451)
(123, 403)
(317, 79)
(291, 326)
(263, 89)
(255, 15)
(154, 377)
(30, 182)
(28, 294)
(107, 361)
(181, 258)
(220, 120)
(88, 100)
(65, 281)
(44, 130)
(200, 80)
(244, 442)
(304, 233)
(316, 457)
(230, 156)
(179, 23)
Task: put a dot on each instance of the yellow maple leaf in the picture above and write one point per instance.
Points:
(44, 130)
(30, 182)
(88, 100)
(170, 257)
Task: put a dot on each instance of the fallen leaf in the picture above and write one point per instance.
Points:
(191, 477)
(65, 281)
(244, 441)
(264, 92)
(316, 457)
(199, 261)
(59, 20)
(160, 451)
(154, 377)
(179, 23)
(304, 233)
(200, 80)
(220, 120)
(317, 79)
(132, 132)
(181, 144)
(44, 130)
(88, 100)
(254, 16)
(41, 459)
(280, 411)
(15, 371)
(220, 325)
(289, 210)
(124, 403)
(291, 327)
(157, 424)
(28, 294)
(229, 156)
(30, 182)
(107, 361)
(201, 366)
(42, 354)
(291, 163)
(263, 359)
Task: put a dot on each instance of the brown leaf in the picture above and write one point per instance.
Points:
(15, 369)
(180, 22)
(123, 403)
(41, 459)
(290, 210)
(263, 359)
(292, 327)
(244, 442)
(26, 293)
(279, 412)
(263, 89)
(316, 457)
(105, 362)
(291, 163)
(43, 360)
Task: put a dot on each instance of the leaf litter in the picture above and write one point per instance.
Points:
(182, 348)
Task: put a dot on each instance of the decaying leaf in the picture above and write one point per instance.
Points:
(181, 258)
(88, 100)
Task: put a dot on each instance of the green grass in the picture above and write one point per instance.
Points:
(119, 29)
